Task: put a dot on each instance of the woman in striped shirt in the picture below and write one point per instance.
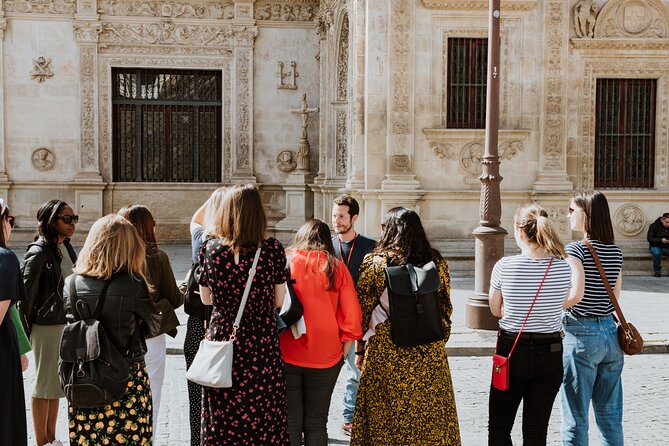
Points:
(593, 359)
(536, 365)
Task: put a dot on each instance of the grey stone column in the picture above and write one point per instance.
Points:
(356, 175)
(4, 178)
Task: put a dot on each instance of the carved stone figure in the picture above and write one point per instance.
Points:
(41, 69)
(585, 17)
(288, 79)
(43, 159)
(304, 151)
(285, 161)
(630, 219)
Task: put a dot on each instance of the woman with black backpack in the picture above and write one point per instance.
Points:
(47, 262)
(114, 255)
(406, 393)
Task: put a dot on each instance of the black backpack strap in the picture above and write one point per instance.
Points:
(101, 299)
(73, 296)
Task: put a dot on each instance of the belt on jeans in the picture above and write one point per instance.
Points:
(530, 336)
(607, 318)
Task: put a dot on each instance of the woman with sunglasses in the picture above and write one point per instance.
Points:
(47, 262)
(593, 360)
(13, 430)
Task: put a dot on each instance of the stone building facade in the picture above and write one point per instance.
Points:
(376, 78)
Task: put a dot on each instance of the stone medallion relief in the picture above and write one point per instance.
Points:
(285, 161)
(43, 159)
(471, 156)
(630, 220)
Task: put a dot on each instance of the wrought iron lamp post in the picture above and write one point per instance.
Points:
(489, 236)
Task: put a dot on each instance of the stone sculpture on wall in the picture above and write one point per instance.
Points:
(630, 220)
(43, 159)
(633, 18)
(41, 69)
(285, 13)
(288, 79)
(285, 161)
(189, 9)
(585, 17)
(41, 6)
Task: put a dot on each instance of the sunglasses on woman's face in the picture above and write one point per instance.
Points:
(67, 219)
(12, 220)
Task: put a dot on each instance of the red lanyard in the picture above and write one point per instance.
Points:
(350, 253)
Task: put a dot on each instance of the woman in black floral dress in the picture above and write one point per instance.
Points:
(253, 411)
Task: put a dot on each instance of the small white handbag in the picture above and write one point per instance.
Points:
(212, 365)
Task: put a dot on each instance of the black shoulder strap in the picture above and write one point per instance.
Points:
(100, 302)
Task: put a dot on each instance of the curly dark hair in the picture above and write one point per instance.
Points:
(46, 216)
(404, 240)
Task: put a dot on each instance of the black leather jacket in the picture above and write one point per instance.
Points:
(128, 315)
(43, 281)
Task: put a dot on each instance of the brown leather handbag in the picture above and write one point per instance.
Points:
(628, 336)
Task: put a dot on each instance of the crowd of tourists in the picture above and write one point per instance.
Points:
(97, 322)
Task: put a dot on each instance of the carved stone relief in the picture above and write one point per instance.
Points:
(243, 100)
(287, 80)
(471, 156)
(630, 220)
(89, 154)
(342, 61)
(507, 5)
(41, 69)
(442, 150)
(560, 218)
(286, 13)
(179, 9)
(342, 144)
(324, 20)
(554, 97)
(41, 6)
(633, 18)
(585, 17)
(629, 69)
(43, 159)
(167, 33)
(87, 32)
(400, 162)
(285, 161)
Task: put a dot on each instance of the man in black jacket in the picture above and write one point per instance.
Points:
(658, 238)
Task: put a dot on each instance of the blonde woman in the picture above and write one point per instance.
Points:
(536, 362)
(114, 251)
(253, 410)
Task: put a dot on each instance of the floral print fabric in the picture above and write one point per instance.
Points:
(253, 411)
(125, 422)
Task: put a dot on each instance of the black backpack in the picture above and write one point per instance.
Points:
(413, 294)
(91, 369)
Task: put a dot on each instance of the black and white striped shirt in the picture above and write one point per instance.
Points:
(596, 301)
(518, 277)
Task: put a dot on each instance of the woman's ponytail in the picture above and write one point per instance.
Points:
(539, 230)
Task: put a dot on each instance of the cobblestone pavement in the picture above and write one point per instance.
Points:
(645, 381)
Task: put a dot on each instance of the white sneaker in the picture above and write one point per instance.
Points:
(55, 443)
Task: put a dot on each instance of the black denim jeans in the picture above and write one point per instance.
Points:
(535, 378)
(309, 394)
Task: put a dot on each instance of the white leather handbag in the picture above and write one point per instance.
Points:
(212, 365)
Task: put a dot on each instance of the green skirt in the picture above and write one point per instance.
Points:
(125, 422)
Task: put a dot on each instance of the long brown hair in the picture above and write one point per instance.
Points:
(240, 220)
(112, 245)
(539, 230)
(143, 221)
(4, 213)
(404, 239)
(597, 222)
(314, 235)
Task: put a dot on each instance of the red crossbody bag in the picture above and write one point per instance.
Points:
(500, 364)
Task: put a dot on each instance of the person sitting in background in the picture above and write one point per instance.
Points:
(166, 296)
(658, 238)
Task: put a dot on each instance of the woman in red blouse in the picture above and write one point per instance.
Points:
(333, 321)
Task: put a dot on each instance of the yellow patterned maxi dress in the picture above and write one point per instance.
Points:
(406, 393)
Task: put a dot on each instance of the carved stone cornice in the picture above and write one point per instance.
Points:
(41, 6)
(193, 9)
(87, 32)
(480, 5)
(618, 44)
(296, 11)
(168, 33)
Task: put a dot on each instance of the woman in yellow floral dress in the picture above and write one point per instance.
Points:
(406, 393)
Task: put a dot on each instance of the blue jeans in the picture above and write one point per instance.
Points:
(657, 252)
(352, 383)
(593, 362)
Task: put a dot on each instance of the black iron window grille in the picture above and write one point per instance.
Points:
(625, 133)
(166, 125)
(466, 83)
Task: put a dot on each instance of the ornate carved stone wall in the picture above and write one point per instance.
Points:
(40, 6)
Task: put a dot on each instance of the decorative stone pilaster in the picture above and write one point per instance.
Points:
(399, 167)
(322, 25)
(356, 175)
(552, 173)
(4, 178)
(242, 98)
(87, 32)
